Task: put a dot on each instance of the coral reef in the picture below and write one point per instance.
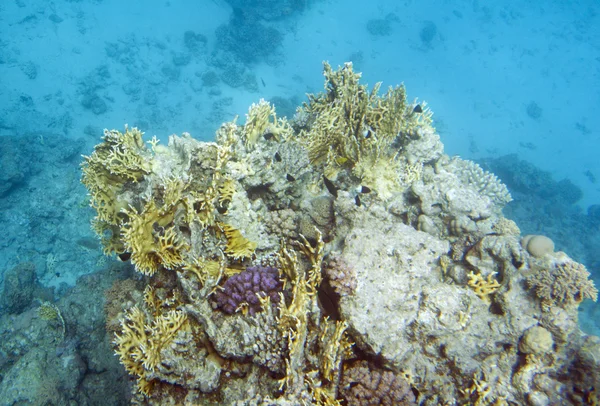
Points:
(340, 258)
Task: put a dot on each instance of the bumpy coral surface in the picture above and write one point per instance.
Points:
(360, 242)
(563, 284)
(365, 385)
(244, 290)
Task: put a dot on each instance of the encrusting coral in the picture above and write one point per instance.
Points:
(339, 258)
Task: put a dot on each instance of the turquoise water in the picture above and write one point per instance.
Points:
(514, 85)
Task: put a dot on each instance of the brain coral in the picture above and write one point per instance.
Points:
(244, 288)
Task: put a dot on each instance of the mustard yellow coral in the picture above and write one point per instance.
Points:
(152, 240)
(121, 158)
(140, 343)
(261, 119)
(226, 191)
(238, 246)
(483, 287)
(352, 124)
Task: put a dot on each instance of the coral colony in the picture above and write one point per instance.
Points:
(339, 257)
(248, 288)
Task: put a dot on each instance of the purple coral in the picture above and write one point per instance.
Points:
(245, 288)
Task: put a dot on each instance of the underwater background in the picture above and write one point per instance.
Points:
(514, 86)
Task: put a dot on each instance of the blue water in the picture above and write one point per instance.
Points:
(508, 77)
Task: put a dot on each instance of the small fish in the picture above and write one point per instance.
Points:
(290, 178)
(263, 82)
(367, 134)
(418, 109)
(330, 186)
(365, 189)
(341, 160)
(268, 135)
(277, 157)
(125, 256)
(357, 200)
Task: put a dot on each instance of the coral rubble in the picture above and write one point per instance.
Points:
(339, 258)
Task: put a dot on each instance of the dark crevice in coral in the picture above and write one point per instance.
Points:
(496, 308)
(329, 301)
(258, 192)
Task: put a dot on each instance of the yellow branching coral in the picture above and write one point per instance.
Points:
(206, 269)
(352, 124)
(315, 256)
(110, 236)
(129, 343)
(321, 396)
(293, 317)
(257, 121)
(334, 344)
(261, 119)
(151, 241)
(238, 246)
(121, 158)
(201, 207)
(140, 343)
(173, 191)
(152, 300)
(483, 287)
(226, 191)
(412, 173)
(122, 155)
(292, 320)
(228, 134)
(480, 390)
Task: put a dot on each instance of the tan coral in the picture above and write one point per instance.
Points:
(563, 285)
